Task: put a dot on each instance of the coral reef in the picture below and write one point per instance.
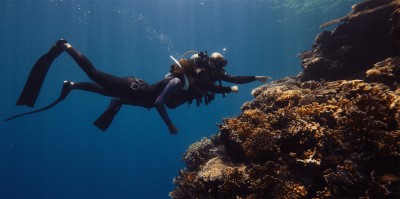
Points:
(331, 132)
(301, 140)
(386, 72)
(368, 34)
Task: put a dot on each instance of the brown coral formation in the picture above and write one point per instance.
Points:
(301, 140)
(370, 33)
(304, 137)
(386, 72)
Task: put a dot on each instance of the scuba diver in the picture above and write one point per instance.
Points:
(203, 71)
(138, 91)
(213, 70)
(186, 81)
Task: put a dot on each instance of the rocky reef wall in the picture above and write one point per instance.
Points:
(330, 132)
(370, 33)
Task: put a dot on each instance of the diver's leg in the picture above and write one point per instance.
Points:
(172, 86)
(115, 84)
(92, 87)
(85, 86)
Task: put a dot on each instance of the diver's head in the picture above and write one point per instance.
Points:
(215, 55)
(217, 61)
(194, 56)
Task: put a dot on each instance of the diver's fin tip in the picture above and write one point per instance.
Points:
(104, 121)
(31, 105)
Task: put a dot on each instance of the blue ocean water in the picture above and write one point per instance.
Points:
(60, 154)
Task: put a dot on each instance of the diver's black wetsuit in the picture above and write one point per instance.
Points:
(136, 91)
(120, 87)
(130, 90)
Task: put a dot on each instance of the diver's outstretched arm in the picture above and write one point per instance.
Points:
(243, 79)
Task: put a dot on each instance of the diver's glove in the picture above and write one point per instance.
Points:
(235, 89)
(262, 79)
(172, 129)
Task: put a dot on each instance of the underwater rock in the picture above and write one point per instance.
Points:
(370, 33)
(331, 132)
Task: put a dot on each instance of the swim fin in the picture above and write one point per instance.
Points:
(104, 121)
(36, 77)
(67, 87)
(35, 111)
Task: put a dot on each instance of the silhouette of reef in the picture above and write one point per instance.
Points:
(330, 132)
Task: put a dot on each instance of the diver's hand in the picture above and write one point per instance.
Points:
(262, 79)
(235, 89)
(172, 129)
